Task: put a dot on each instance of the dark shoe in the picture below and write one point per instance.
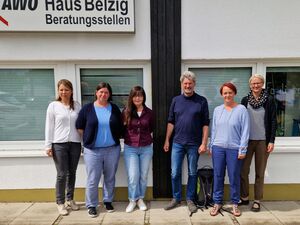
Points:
(243, 202)
(92, 212)
(191, 206)
(173, 204)
(255, 207)
(108, 206)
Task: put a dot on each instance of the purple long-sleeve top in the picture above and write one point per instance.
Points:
(138, 131)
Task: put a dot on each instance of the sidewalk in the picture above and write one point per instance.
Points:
(272, 212)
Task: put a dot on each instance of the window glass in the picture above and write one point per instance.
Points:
(121, 81)
(24, 97)
(209, 81)
(284, 84)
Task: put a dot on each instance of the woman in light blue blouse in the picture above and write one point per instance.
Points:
(229, 142)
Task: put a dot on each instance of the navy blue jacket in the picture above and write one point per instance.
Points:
(88, 122)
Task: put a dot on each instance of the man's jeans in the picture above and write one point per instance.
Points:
(66, 157)
(178, 153)
(137, 162)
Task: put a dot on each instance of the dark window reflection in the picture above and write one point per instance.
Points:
(121, 81)
(284, 84)
(24, 98)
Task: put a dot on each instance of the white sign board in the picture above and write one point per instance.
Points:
(67, 15)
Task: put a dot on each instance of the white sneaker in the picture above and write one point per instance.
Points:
(141, 204)
(130, 206)
(72, 204)
(62, 209)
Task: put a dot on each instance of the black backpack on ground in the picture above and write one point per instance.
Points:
(204, 187)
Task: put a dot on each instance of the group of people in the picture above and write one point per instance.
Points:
(99, 125)
(238, 131)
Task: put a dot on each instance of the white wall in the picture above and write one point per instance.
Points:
(81, 46)
(24, 164)
(39, 172)
(282, 168)
(218, 29)
(214, 29)
(218, 33)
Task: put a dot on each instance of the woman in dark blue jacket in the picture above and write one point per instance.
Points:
(100, 124)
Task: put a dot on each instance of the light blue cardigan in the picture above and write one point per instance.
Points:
(230, 129)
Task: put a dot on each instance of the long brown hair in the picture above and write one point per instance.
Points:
(69, 85)
(130, 110)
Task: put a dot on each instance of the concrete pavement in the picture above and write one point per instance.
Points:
(272, 212)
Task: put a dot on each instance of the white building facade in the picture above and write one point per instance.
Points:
(220, 41)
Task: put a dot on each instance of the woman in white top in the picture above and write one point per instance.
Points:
(63, 143)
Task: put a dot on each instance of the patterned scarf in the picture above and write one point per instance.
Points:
(260, 101)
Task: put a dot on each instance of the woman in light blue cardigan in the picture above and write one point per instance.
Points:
(229, 142)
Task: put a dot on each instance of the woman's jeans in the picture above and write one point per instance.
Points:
(137, 162)
(177, 156)
(101, 160)
(221, 158)
(66, 157)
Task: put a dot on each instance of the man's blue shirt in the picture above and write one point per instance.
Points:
(188, 115)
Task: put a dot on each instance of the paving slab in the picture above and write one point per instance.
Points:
(203, 217)
(252, 218)
(121, 217)
(158, 215)
(10, 211)
(285, 212)
(272, 213)
(37, 214)
(81, 216)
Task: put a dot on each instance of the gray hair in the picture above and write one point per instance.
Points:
(257, 76)
(188, 75)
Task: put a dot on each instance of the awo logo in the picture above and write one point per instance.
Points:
(19, 5)
(9, 5)
(3, 20)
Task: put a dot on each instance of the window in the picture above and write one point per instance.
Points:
(120, 79)
(284, 84)
(209, 81)
(24, 97)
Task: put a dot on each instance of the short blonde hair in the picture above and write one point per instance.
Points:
(188, 75)
(257, 76)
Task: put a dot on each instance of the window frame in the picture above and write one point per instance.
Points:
(147, 82)
(146, 68)
(26, 148)
(282, 144)
(66, 70)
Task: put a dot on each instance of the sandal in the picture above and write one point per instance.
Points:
(215, 210)
(243, 202)
(235, 211)
(255, 207)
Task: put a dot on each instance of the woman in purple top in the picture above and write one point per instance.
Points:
(138, 149)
